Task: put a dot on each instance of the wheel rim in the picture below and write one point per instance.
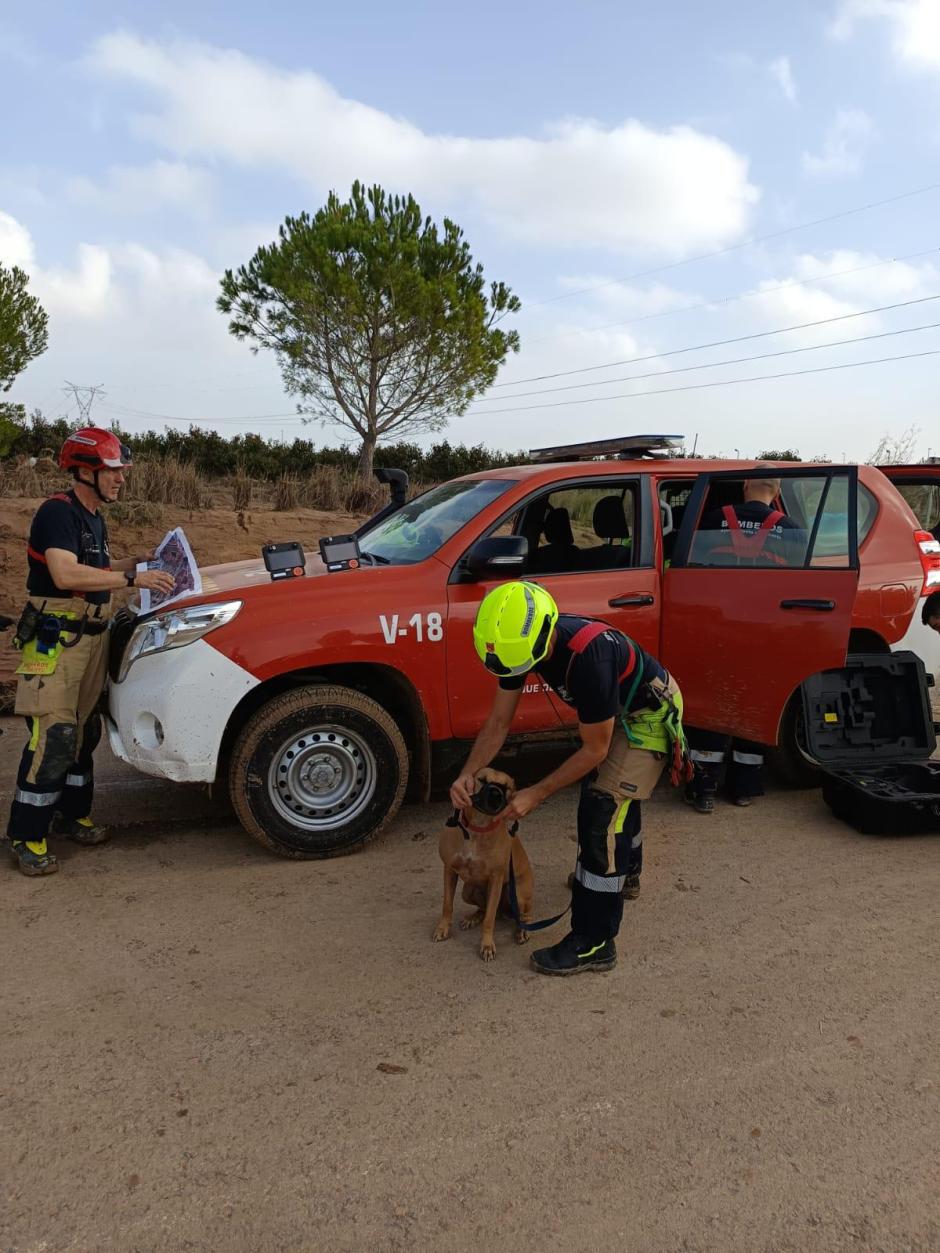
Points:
(322, 777)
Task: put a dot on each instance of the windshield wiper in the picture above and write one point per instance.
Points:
(376, 559)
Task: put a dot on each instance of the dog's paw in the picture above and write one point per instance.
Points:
(441, 932)
(469, 921)
(488, 951)
(522, 937)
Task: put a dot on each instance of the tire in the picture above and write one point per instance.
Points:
(787, 761)
(318, 771)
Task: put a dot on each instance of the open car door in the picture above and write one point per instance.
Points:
(741, 628)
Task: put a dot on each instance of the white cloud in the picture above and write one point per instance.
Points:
(16, 245)
(843, 148)
(843, 282)
(915, 27)
(147, 189)
(781, 72)
(623, 187)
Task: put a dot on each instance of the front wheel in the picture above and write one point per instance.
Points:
(318, 771)
(788, 761)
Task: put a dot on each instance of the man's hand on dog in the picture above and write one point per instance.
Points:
(461, 791)
(522, 804)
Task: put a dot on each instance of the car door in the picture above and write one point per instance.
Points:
(740, 638)
(614, 577)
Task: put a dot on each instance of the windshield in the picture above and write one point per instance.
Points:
(419, 528)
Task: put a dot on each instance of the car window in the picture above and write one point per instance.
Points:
(575, 529)
(418, 529)
(806, 524)
(924, 500)
(673, 497)
(831, 547)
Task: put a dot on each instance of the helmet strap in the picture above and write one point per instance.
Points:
(103, 499)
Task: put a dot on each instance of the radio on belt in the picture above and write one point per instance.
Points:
(284, 561)
(340, 552)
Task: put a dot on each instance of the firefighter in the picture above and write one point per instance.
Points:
(931, 615)
(752, 533)
(63, 635)
(629, 714)
(756, 532)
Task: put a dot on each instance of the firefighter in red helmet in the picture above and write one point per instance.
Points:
(63, 635)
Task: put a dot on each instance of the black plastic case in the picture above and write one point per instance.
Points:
(869, 725)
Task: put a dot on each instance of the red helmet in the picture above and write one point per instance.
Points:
(95, 450)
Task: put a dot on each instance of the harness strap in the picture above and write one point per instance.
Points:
(586, 636)
(748, 545)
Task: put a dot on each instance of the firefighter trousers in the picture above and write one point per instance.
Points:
(744, 775)
(610, 839)
(56, 771)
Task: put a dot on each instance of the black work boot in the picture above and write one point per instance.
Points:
(33, 857)
(574, 954)
(701, 802)
(81, 830)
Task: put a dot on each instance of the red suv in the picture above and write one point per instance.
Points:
(320, 701)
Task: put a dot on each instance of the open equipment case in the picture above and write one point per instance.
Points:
(869, 726)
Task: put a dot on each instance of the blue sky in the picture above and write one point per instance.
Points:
(577, 145)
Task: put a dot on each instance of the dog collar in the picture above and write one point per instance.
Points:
(457, 820)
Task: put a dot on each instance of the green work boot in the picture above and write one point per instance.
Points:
(81, 830)
(33, 857)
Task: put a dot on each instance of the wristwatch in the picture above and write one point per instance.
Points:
(129, 577)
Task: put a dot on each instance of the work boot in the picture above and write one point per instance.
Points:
(574, 954)
(81, 830)
(743, 802)
(702, 803)
(33, 857)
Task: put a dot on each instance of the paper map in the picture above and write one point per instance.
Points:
(176, 557)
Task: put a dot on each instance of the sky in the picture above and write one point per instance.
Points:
(669, 189)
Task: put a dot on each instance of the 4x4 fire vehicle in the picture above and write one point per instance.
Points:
(320, 701)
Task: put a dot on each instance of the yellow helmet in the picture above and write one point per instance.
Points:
(513, 627)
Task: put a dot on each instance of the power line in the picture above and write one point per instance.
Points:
(744, 243)
(692, 387)
(751, 294)
(720, 343)
(127, 411)
(711, 365)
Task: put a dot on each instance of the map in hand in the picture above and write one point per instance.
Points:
(176, 557)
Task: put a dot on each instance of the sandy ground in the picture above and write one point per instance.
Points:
(208, 1048)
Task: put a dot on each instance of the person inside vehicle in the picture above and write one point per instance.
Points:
(757, 532)
(629, 720)
(931, 615)
(63, 635)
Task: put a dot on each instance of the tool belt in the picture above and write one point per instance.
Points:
(46, 628)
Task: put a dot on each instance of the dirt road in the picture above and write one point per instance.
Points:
(207, 1048)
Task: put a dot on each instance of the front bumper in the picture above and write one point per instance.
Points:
(169, 715)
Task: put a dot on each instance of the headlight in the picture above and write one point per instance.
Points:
(173, 629)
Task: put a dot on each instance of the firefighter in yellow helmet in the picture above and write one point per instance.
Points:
(629, 714)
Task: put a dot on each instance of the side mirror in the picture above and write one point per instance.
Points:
(498, 555)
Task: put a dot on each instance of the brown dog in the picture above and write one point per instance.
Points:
(478, 852)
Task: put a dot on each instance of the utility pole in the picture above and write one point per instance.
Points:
(84, 397)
